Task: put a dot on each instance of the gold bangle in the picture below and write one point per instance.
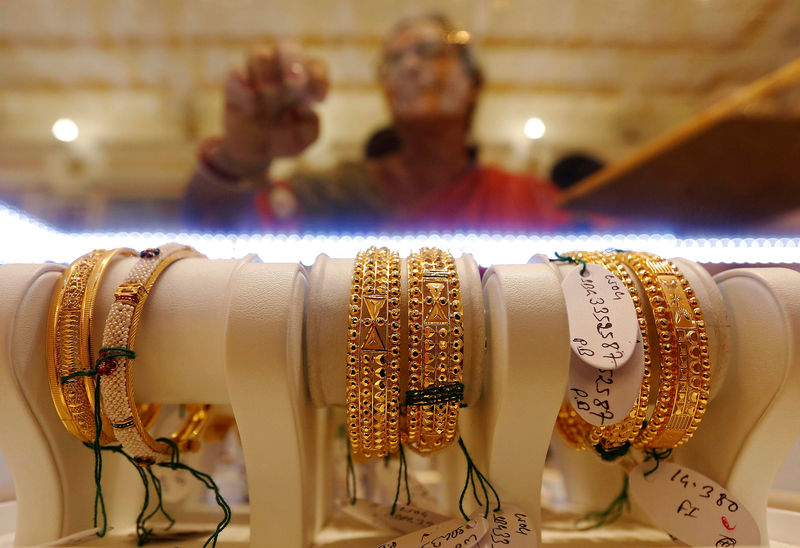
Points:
(115, 369)
(373, 354)
(618, 434)
(436, 346)
(685, 377)
(68, 343)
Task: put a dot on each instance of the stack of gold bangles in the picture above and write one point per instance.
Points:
(71, 358)
(427, 419)
(674, 337)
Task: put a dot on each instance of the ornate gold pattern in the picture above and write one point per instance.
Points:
(436, 346)
(373, 354)
(68, 343)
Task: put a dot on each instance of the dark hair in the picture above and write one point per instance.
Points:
(573, 168)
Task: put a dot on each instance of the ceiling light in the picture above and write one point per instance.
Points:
(534, 128)
(65, 130)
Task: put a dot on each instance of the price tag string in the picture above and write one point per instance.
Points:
(612, 513)
(621, 503)
(143, 533)
(472, 473)
(402, 475)
(571, 260)
(350, 476)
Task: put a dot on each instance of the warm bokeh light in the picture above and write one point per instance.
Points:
(65, 130)
(534, 128)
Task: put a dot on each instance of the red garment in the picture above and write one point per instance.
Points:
(484, 198)
(489, 198)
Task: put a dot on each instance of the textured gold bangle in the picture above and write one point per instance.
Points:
(436, 346)
(618, 434)
(115, 370)
(685, 377)
(68, 348)
(373, 354)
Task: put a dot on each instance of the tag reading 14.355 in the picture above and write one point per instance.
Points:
(603, 326)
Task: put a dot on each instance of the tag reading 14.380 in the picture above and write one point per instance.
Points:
(603, 326)
(692, 507)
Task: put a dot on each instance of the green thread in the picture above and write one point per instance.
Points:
(611, 514)
(610, 455)
(571, 260)
(205, 479)
(350, 477)
(402, 474)
(446, 393)
(658, 456)
(472, 473)
(160, 506)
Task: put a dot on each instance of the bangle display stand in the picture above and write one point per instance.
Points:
(264, 340)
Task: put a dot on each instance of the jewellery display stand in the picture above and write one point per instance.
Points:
(518, 389)
(231, 332)
(210, 328)
(751, 423)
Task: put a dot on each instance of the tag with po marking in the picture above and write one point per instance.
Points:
(692, 507)
(603, 327)
(605, 396)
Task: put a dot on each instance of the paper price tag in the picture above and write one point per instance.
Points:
(605, 396)
(405, 519)
(450, 534)
(692, 507)
(603, 327)
(509, 527)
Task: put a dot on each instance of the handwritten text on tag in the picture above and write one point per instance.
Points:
(603, 326)
(605, 396)
(509, 527)
(405, 519)
(692, 507)
(450, 534)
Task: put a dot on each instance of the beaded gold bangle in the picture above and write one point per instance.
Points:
(373, 354)
(115, 369)
(618, 434)
(68, 343)
(436, 346)
(685, 377)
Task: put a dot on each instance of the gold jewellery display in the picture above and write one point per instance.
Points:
(428, 419)
(435, 351)
(668, 310)
(115, 364)
(373, 355)
(93, 394)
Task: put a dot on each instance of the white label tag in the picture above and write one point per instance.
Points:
(605, 396)
(405, 519)
(509, 527)
(450, 534)
(692, 507)
(603, 327)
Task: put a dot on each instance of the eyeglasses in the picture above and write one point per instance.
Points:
(426, 51)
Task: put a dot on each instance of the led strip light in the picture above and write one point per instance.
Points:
(38, 243)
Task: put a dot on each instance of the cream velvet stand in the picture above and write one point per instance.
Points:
(210, 328)
(753, 316)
